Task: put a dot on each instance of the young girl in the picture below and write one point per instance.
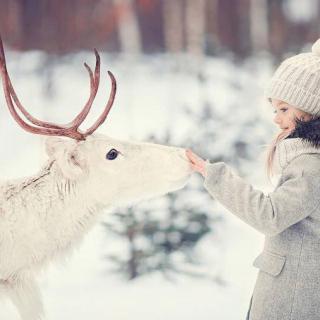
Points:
(288, 282)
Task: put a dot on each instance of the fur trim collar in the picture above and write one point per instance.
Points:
(308, 131)
(305, 139)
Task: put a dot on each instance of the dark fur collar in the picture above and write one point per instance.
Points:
(307, 130)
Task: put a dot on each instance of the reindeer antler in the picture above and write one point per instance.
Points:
(70, 129)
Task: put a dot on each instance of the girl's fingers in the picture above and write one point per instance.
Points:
(192, 156)
(193, 166)
(196, 160)
(197, 163)
(196, 167)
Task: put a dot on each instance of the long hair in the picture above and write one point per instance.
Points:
(271, 152)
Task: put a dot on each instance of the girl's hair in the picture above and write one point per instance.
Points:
(271, 152)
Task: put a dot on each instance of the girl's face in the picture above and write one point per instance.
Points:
(285, 114)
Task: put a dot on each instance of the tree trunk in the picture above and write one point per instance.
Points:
(212, 41)
(195, 27)
(259, 25)
(173, 25)
(278, 28)
(128, 27)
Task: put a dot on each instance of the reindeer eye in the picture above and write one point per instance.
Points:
(112, 154)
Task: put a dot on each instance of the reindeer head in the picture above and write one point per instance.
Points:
(110, 169)
(119, 171)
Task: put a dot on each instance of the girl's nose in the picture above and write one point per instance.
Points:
(276, 119)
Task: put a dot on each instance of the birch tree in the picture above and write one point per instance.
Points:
(195, 26)
(128, 27)
(173, 25)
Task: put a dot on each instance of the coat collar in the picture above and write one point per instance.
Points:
(305, 139)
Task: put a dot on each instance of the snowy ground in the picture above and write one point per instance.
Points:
(150, 96)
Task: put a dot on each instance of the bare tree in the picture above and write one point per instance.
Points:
(173, 25)
(128, 27)
(278, 29)
(317, 18)
(212, 32)
(195, 26)
(259, 24)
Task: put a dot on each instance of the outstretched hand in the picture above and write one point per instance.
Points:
(197, 163)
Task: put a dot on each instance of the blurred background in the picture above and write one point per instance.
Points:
(203, 27)
(190, 73)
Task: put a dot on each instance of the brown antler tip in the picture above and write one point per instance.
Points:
(2, 57)
(96, 54)
(111, 75)
(88, 68)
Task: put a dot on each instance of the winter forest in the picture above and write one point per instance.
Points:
(203, 27)
(190, 73)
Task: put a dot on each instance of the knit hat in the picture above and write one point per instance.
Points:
(297, 81)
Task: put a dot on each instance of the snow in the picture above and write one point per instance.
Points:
(152, 92)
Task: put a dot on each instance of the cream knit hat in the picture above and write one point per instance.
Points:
(297, 81)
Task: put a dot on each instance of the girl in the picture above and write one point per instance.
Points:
(288, 282)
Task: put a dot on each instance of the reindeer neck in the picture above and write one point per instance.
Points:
(47, 212)
(47, 190)
(18, 186)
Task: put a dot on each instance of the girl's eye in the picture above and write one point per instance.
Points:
(112, 154)
(282, 109)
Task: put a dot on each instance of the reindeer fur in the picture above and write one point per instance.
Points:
(45, 216)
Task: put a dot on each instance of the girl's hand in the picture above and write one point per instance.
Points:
(197, 163)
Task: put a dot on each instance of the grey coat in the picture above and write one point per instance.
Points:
(288, 282)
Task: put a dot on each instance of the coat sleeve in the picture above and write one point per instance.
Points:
(295, 198)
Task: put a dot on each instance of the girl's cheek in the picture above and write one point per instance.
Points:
(292, 121)
(292, 125)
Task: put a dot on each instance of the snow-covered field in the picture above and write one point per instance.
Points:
(151, 94)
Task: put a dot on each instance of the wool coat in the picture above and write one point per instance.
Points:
(288, 281)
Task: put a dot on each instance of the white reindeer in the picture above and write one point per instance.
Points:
(45, 216)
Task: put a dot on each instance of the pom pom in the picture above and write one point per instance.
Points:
(316, 48)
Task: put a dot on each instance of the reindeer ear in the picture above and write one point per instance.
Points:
(56, 145)
(66, 152)
(72, 164)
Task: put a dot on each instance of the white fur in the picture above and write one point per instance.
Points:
(46, 215)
